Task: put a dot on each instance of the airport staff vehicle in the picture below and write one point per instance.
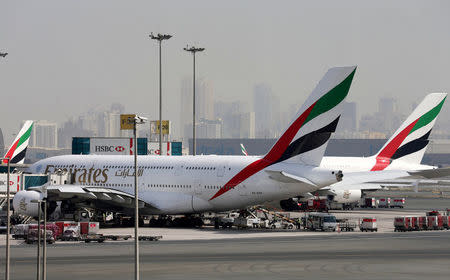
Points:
(196, 184)
(321, 221)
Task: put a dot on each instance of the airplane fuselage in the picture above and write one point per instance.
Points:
(187, 184)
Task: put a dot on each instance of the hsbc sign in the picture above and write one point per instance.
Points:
(111, 146)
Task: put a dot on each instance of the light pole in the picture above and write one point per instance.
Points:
(42, 271)
(8, 216)
(135, 121)
(160, 38)
(193, 50)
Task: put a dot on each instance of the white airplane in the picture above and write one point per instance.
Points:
(195, 184)
(401, 154)
(17, 150)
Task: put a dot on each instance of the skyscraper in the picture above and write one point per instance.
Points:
(44, 135)
(204, 104)
(267, 112)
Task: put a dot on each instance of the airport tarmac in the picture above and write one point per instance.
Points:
(254, 254)
(413, 255)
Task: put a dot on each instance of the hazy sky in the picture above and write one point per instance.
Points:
(67, 56)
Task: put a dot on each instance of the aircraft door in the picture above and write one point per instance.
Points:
(197, 187)
(221, 170)
(179, 169)
(242, 189)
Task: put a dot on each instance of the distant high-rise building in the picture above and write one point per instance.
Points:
(387, 106)
(2, 143)
(347, 121)
(204, 104)
(44, 135)
(247, 125)
(267, 112)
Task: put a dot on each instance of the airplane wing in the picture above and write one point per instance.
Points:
(97, 196)
(392, 178)
(431, 173)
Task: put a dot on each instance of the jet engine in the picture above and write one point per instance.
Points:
(346, 196)
(22, 203)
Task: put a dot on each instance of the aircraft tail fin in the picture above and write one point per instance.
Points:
(409, 142)
(17, 150)
(306, 138)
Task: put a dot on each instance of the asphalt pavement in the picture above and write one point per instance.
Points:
(412, 255)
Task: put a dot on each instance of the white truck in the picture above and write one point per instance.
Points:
(321, 221)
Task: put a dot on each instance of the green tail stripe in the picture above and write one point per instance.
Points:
(25, 136)
(332, 98)
(428, 117)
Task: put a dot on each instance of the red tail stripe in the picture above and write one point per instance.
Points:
(11, 151)
(275, 153)
(384, 157)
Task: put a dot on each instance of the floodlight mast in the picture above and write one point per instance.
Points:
(193, 50)
(160, 38)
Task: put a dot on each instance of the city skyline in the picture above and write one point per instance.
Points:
(64, 57)
(233, 119)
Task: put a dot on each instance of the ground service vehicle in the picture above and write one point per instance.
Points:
(70, 235)
(247, 222)
(368, 224)
(321, 221)
(368, 202)
(398, 202)
(384, 202)
(402, 224)
(33, 237)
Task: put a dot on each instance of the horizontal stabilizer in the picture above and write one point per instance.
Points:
(284, 177)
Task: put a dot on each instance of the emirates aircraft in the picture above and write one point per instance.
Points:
(401, 154)
(195, 184)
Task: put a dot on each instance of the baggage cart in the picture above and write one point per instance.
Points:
(150, 237)
(398, 202)
(368, 224)
(117, 237)
(49, 227)
(446, 222)
(435, 222)
(347, 226)
(368, 202)
(93, 237)
(422, 223)
(20, 231)
(402, 224)
(415, 223)
(89, 227)
(65, 225)
(384, 202)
